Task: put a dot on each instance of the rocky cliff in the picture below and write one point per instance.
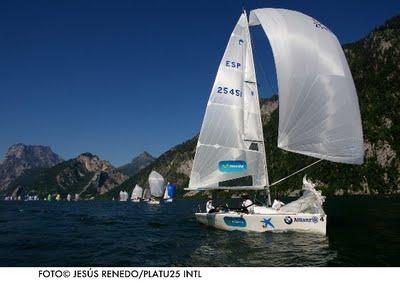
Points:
(21, 158)
(87, 175)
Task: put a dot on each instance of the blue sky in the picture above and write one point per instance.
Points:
(119, 77)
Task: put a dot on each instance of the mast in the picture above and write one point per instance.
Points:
(267, 191)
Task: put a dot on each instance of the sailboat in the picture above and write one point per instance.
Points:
(123, 196)
(319, 117)
(146, 195)
(137, 193)
(156, 182)
(169, 192)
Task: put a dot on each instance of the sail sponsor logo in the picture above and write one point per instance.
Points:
(235, 222)
(320, 26)
(313, 219)
(241, 42)
(232, 166)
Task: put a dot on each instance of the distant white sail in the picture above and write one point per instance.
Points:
(137, 192)
(319, 114)
(146, 194)
(123, 196)
(156, 182)
(231, 143)
(166, 196)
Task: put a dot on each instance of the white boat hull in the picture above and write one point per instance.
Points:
(152, 202)
(272, 222)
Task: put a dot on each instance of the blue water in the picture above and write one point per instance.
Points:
(362, 231)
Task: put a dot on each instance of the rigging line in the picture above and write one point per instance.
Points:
(280, 180)
(258, 62)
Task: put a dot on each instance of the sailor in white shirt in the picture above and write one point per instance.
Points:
(277, 205)
(209, 206)
(247, 204)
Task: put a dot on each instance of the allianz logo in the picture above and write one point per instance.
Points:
(313, 219)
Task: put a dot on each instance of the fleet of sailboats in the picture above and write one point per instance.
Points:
(318, 116)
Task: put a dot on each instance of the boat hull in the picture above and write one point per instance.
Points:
(273, 222)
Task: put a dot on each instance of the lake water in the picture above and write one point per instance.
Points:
(362, 231)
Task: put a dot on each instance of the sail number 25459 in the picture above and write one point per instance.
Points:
(231, 91)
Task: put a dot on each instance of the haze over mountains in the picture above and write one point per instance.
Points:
(375, 65)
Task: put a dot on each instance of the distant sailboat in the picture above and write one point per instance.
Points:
(156, 182)
(169, 192)
(146, 195)
(58, 197)
(49, 197)
(69, 197)
(76, 197)
(318, 116)
(137, 193)
(123, 196)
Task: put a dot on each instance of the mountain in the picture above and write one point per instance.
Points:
(375, 65)
(86, 174)
(137, 164)
(21, 158)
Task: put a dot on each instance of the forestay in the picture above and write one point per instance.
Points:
(231, 143)
(156, 182)
(318, 107)
(137, 192)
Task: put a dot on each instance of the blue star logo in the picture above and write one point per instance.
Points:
(267, 222)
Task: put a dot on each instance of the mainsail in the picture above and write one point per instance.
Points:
(319, 114)
(231, 143)
(137, 192)
(156, 182)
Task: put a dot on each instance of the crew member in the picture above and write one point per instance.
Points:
(247, 204)
(277, 205)
(209, 206)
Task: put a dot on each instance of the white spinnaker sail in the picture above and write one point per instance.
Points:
(319, 114)
(137, 192)
(231, 143)
(156, 182)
